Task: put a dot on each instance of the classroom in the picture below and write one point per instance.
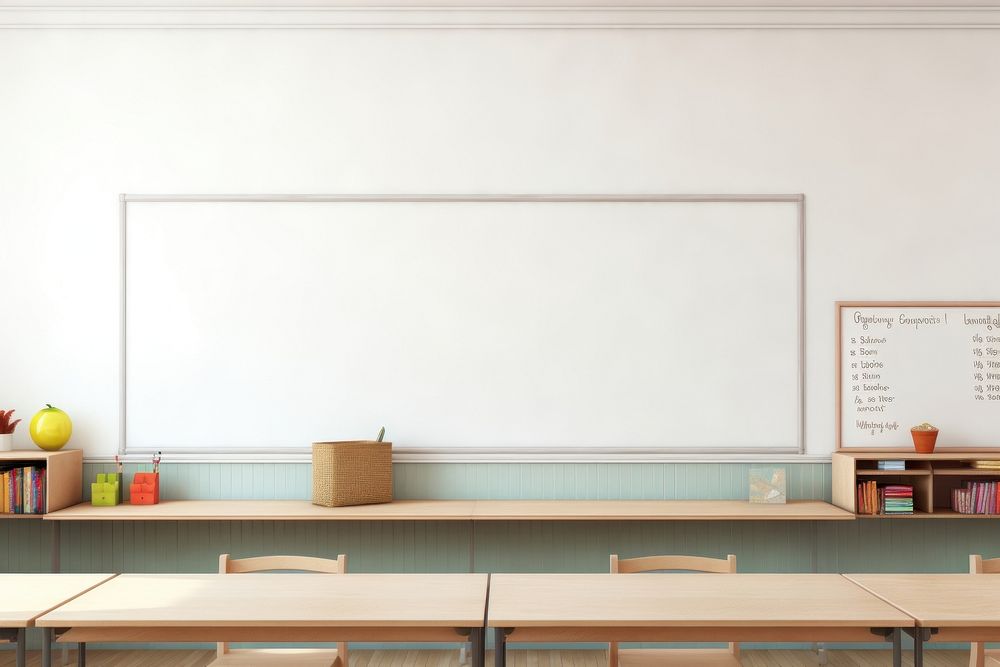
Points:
(378, 333)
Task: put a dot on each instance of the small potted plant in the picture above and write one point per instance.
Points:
(924, 438)
(7, 430)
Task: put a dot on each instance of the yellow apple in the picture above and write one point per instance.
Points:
(50, 428)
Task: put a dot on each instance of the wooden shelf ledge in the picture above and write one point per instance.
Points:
(460, 510)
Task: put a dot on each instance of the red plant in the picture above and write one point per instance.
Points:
(6, 425)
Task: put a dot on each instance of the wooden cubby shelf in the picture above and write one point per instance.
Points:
(63, 476)
(932, 476)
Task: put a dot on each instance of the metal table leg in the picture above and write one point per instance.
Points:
(895, 636)
(19, 647)
(500, 647)
(478, 651)
(46, 647)
(920, 635)
(81, 655)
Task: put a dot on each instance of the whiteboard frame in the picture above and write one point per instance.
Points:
(838, 374)
(479, 454)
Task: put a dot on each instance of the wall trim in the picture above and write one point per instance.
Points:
(512, 456)
(968, 17)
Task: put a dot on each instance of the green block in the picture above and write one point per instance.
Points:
(107, 490)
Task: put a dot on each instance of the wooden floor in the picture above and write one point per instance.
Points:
(515, 658)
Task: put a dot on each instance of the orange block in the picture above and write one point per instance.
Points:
(145, 488)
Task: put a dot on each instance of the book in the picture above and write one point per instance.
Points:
(892, 465)
(22, 490)
(886, 499)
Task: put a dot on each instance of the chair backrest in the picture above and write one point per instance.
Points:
(979, 566)
(977, 652)
(725, 565)
(229, 565)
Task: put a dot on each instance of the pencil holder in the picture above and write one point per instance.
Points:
(145, 488)
(107, 490)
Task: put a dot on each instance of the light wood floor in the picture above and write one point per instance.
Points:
(516, 658)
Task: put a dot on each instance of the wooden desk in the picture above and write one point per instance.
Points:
(946, 607)
(687, 607)
(279, 608)
(460, 510)
(25, 597)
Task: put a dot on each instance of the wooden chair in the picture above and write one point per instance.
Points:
(286, 657)
(979, 656)
(674, 657)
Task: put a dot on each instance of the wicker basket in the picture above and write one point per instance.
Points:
(357, 472)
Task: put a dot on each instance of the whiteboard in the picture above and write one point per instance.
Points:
(905, 363)
(557, 324)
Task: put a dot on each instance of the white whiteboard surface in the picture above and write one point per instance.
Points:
(567, 324)
(902, 364)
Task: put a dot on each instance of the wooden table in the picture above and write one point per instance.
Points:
(25, 597)
(688, 607)
(947, 607)
(279, 608)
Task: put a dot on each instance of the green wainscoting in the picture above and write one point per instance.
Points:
(442, 546)
(868, 545)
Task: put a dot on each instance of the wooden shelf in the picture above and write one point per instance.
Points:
(10, 515)
(933, 478)
(936, 514)
(63, 476)
(460, 510)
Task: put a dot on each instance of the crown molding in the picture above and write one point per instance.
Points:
(638, 17)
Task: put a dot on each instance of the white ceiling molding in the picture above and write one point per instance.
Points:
(639, 17)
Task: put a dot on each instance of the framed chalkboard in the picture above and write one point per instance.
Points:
(902, 363)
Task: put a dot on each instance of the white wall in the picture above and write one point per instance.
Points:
(890, 134)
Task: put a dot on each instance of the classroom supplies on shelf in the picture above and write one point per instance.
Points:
(23, 489)
(976, 498)
(145, 488)
(107, 490)
(351, 473)
(897, 499)
(887, 499)
(767, 485)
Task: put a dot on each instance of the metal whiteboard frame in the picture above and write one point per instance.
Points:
(481, 454)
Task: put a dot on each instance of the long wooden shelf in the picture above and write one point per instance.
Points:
(460, 510)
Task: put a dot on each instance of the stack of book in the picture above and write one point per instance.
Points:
(22, 490)
(976, 498)
(892, 465)
(985, 465)
(889, 499)
(897, 499)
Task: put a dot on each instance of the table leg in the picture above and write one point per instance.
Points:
(19, 647)
(500, 647)
(920, 635)
(897, 647)
(477, 640)
(47, 646)
(81, 655)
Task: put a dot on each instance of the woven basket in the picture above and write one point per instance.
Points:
(357, 472)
